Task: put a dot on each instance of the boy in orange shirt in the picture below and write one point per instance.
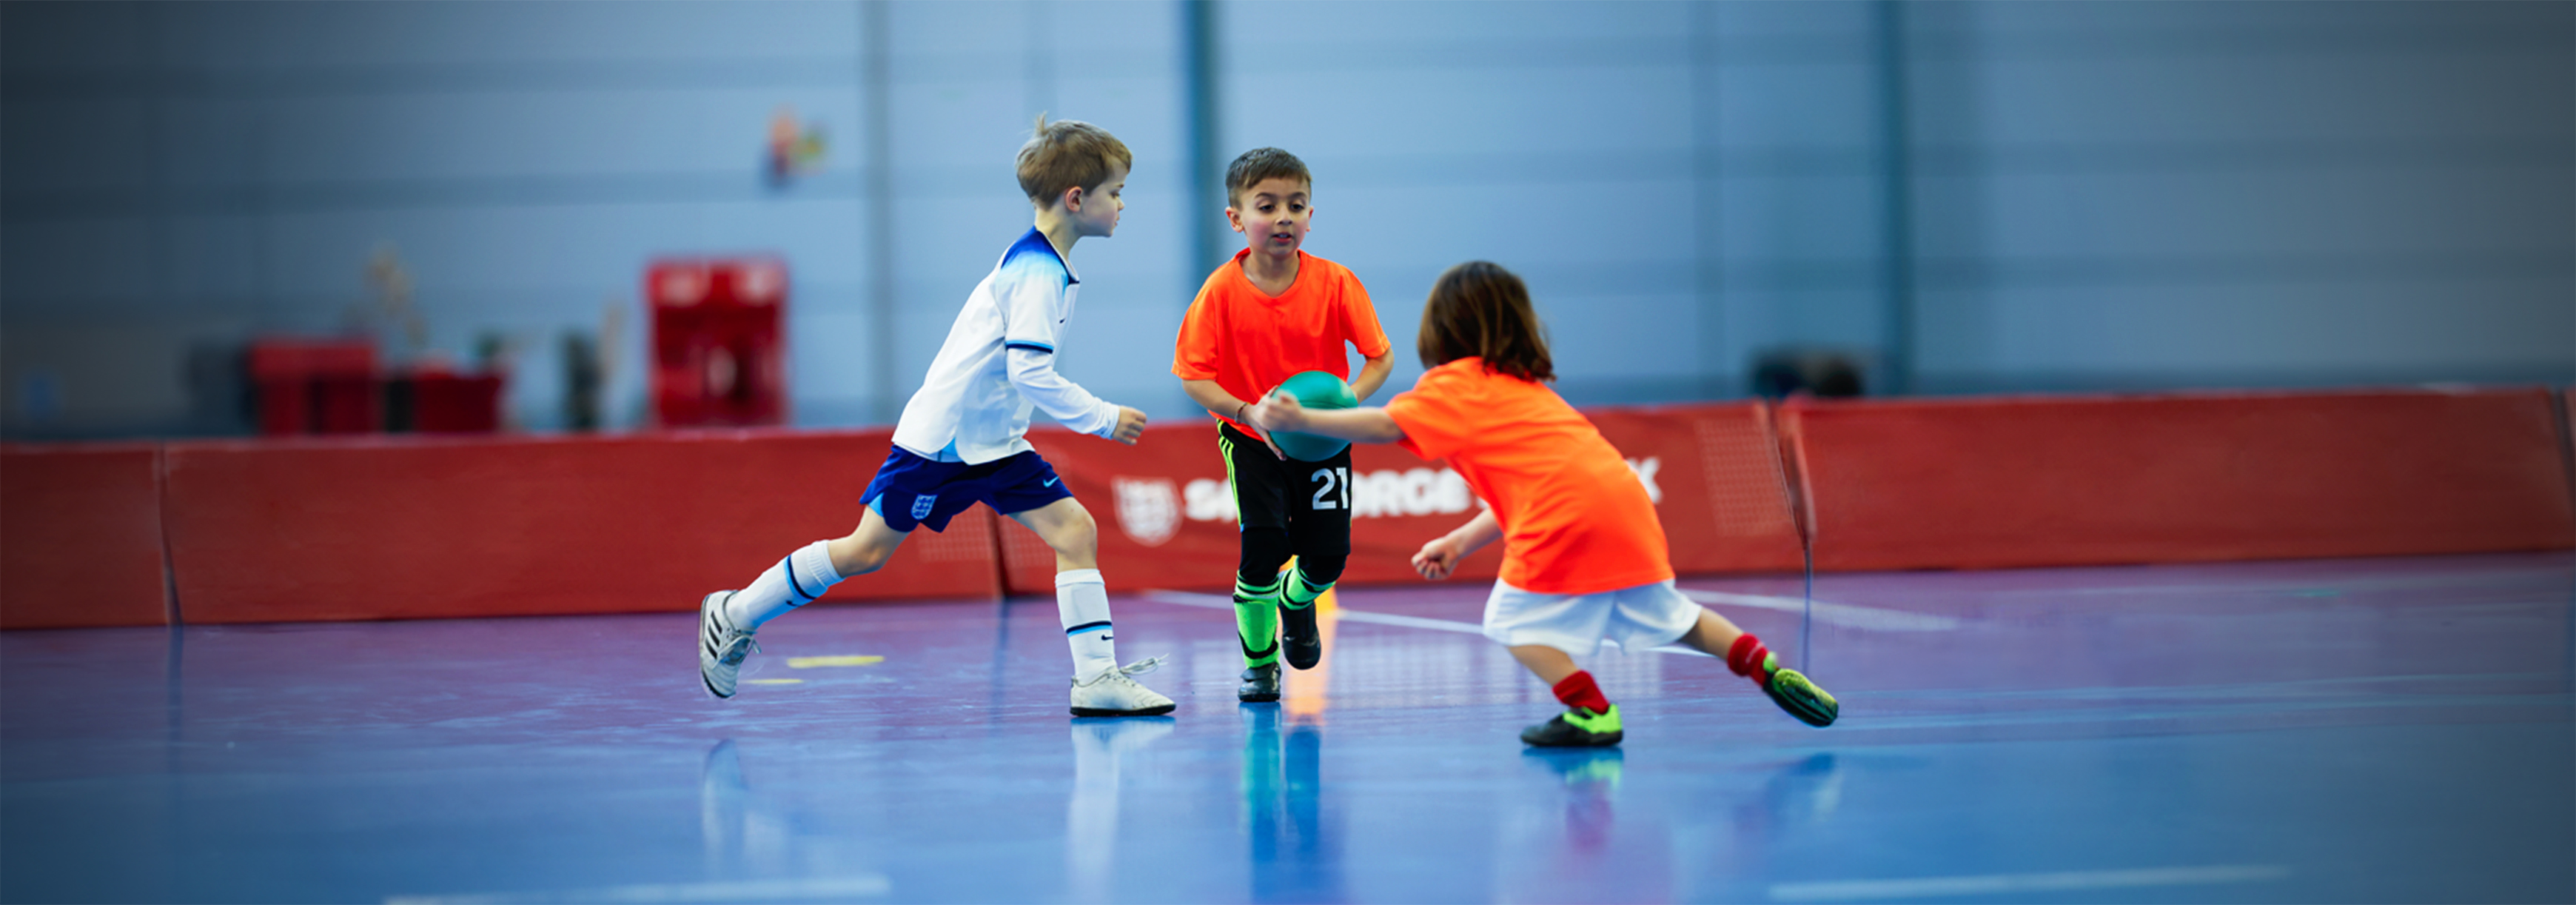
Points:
(1271, 313)
(1584, 556)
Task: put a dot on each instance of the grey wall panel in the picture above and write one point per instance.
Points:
(2123, 195)
(2290, 214)
(2241, 332)
(75, 263)
(253, 36)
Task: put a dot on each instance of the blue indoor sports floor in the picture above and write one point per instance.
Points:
(2393, 730)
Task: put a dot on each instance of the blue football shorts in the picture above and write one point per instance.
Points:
(911, 491)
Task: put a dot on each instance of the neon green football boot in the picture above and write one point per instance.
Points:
(1576, 728)
(1801, 697)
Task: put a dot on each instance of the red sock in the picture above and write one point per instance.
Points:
(1578, 691)
(1748, 658)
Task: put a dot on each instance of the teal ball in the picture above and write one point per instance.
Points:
(1314, 390)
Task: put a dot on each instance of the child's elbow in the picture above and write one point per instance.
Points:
(1383, 429)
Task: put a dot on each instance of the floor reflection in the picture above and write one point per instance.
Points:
(2266, 748)
(1802, 793)
(1100, 746)
(765, 844)
(1296, 840)
(1591, 777)
(741, 840)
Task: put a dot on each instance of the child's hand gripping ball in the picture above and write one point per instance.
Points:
(1314, 390)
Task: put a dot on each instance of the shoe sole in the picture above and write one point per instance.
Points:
(1271, 698)
(1601, 740)
(1157, 710)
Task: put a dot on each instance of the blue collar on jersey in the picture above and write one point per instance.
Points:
(1033, 235)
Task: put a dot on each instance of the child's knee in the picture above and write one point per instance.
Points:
(1264, 551)
(1076, 536)
(860, 558)
(1321, 558)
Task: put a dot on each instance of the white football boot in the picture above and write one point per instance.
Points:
(1112, 693)
(721, 647)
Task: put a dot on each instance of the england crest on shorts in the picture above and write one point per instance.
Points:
(921, 505)
(1149, 509)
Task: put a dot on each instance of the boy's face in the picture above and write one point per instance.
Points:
(1272, 215)
(1095, 213)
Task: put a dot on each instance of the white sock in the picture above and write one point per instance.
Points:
(1083, 601)
(793, 582)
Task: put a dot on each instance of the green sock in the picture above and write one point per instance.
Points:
(1256, 619)
(1297, 593)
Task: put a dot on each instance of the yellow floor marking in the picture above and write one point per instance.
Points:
(773, 681)
(841, 660)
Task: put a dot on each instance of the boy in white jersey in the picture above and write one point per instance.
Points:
(960, 441)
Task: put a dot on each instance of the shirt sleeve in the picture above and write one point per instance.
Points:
(1194, 353)
(1032, 306)
(1433, 416)
(1033, 374)
(1031, 323)
(1359, 319)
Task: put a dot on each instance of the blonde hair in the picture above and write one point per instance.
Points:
(1068, 154)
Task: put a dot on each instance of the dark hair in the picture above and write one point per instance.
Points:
(1068, 154)
(1262, 163)
(1479, 309)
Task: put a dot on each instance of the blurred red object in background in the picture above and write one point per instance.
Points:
(445, 402)
(330, 386)
(719, 356)
(310, 386)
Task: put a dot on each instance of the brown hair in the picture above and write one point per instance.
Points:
(1068, 154)
(1255, 165)
(1479, 309)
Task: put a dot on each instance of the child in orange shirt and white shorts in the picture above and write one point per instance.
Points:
(1584, 555)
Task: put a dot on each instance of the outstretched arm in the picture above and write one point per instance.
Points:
(1032, 372)
(1280, 412)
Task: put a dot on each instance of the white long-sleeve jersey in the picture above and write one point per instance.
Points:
(999, 363)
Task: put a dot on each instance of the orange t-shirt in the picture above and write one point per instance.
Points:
(1249, 342)
(1575, 519)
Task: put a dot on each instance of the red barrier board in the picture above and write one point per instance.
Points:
(1164, 519)
(2567, 439)
(2043, 482)
(80, 538)
(2567, 423)
(1724, 493)
(412, 528)
(1167, 518)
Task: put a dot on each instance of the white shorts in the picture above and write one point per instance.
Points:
(1638, 618)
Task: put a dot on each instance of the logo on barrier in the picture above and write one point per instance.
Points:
(1149, 509)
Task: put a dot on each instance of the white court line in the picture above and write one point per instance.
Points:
(1993, 884)
(1220, 601)
(1842, 614)
(1845, 614)
(862, 886)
